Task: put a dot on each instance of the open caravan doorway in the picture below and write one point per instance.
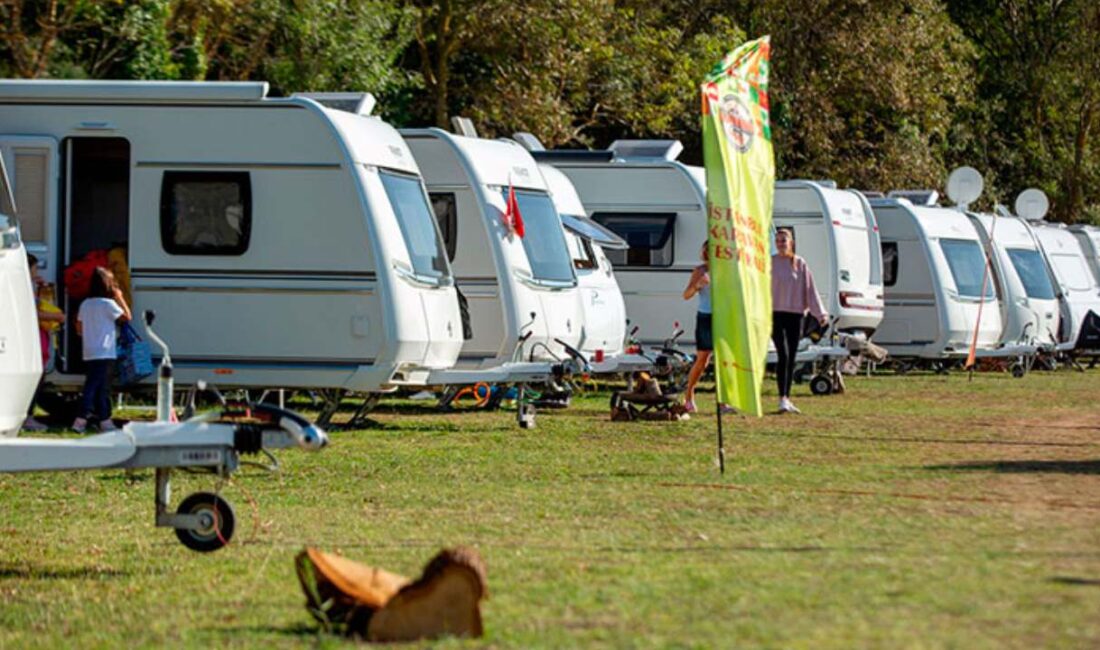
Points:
(96, 185)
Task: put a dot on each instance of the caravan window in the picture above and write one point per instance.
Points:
(414, 216)
(1072, 272)
(649, 235)
(445, 206)
(544, 240)
(581, 250)
(889, 263)
(205, 213)
(1033, 273)
(967, 263)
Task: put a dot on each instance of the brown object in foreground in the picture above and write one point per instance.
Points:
(381, 606)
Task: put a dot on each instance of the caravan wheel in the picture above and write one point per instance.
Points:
(1018, 370)
(821, 385)
(217, 522)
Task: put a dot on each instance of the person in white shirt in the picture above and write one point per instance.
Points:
(97, 323)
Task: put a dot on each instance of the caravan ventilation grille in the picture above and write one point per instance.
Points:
(574, 155)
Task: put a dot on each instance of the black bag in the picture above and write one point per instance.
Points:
(1089, 337)
(812, 328)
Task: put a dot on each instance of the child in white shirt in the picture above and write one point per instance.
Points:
(97, 323)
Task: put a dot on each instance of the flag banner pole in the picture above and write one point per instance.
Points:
(740, 173)
(721, 443)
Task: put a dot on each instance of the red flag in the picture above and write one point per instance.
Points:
(512, 218)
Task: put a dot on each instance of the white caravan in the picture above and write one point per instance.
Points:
(20, 358)
(521, 291)
(933, 269)
(282, 243)
(603, 341)
(1077, 286)
(848, 267)
(1029, 305)
(657, 204)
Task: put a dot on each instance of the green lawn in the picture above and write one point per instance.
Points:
(918, 511)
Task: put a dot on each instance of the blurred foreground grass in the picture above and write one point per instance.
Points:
(922, 511)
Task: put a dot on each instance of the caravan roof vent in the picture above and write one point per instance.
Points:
(463, 126)
(660, 149)
(872, 194)
(916, 197)
(357, 103)
(827, 182)
(528, 141)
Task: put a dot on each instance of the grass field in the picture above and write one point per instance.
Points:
(918, 511)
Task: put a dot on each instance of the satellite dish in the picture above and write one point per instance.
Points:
(1032, 204)
(964, 186)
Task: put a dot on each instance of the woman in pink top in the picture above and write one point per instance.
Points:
(793, 294)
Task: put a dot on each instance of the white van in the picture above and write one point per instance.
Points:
(281, 243)
(516, 287)
(20, 355)
(933, 270)
(1077, 285)
(1029, 304)
(835, 233)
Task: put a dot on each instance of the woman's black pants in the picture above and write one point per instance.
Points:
(786, 332)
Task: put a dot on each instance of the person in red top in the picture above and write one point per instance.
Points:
(793, 294)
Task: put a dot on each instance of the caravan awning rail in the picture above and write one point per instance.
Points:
(28, 90)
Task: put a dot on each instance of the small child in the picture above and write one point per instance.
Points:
(48, 319)
(97, 323)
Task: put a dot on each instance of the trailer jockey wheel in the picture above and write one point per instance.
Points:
(216, 522)
(1018, 370)
(821, 385)
(525, 410)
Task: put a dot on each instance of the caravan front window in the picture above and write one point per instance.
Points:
(1071, 271)
(967, 263)
(1033, 273)
(418, 225)
(544, 239)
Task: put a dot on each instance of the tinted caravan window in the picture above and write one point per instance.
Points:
(967, 263)
(544, 239)
(445, 207)
(889, 263)
(649, 236)
(1033, 274)
(417, 223)
(205, 213)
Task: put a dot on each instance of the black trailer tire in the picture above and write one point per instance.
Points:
(821, 385)
(222, 522)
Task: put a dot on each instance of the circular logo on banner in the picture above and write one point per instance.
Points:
(738, 123)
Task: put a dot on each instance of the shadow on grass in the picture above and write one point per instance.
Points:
(62, 573)
(1075, 582)
(917, 440)
(1025, 466)
(296, 630)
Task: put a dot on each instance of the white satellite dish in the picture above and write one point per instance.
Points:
(964, 186)
(1032, 204)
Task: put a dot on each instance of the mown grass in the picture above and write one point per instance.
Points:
(922, 511)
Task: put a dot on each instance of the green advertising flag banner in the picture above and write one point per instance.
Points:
(737, 150)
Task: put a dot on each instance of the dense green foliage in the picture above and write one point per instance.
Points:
(874, 93)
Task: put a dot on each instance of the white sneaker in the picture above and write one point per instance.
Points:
(108, 425)
(31, 424)
(80, 425)
(791, 408)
